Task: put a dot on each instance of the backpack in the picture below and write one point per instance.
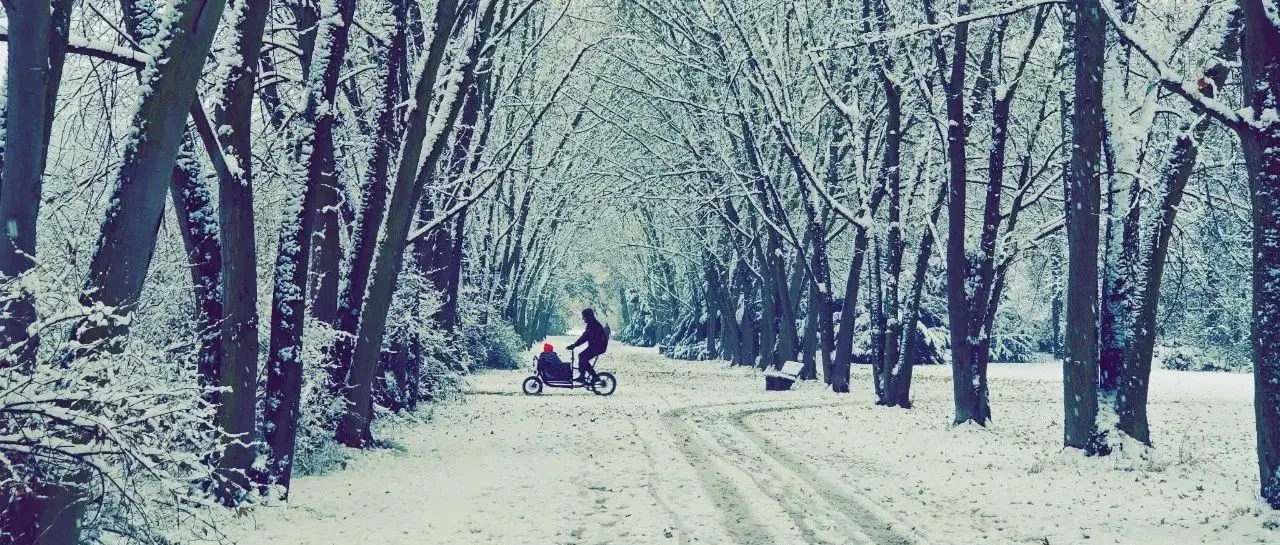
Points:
(604, 346)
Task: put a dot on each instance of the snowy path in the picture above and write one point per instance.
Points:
(695, 452)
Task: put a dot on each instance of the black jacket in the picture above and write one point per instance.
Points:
(595, 336)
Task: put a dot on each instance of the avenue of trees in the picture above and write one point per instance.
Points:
(898, 182)
(235, 234)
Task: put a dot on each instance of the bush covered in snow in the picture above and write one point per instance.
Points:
(1015, 340)
(413, 335)
(487, 341)
(1191, 358)
(316, 451)
(127, 436)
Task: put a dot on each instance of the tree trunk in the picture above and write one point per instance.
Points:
(838, 374)
(1080, 370)
(289, 296)
(236, 415)
(353, 430)
(1261, 69)
(123, 255)
(1135, 375)
(897, 380)
(37, 42)
(809, 341)
(326, 245)
(970, 399)
(893, 316)
(876, 323)
(373, 204)
(193, 206)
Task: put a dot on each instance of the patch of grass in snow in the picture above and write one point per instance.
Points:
(391, 444)
(322, 459)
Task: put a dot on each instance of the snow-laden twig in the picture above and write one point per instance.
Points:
(1173, 80)
(940, 25)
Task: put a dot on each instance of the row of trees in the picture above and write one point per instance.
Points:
(959, 164)
(325, 164)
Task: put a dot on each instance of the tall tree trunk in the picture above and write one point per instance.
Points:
(891, 174)
(809, 340)
(236, 414)
(1080, 370)
(197, 222)
(970, 398)
(1135, 376)
(897, 379)
(354, 427)
(838, 374)
(289, 296)
(38, 34)
(373, 204)
(193, 206)
(876, 322)
(123, 254)
(36, 50)
(1260, 64)
(326, 248)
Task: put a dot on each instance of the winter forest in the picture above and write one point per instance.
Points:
(271, 271)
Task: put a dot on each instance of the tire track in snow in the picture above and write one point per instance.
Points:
(682, 527)
(743, 514)
(882, 526)
(820, 512)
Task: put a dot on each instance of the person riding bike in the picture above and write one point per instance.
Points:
(596, 338)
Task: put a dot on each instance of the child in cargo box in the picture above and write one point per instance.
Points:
(550, 365)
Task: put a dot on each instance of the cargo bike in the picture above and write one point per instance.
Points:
(562, 376)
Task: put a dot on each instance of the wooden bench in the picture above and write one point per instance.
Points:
(782, 379)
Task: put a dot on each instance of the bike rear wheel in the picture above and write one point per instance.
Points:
(604, 384)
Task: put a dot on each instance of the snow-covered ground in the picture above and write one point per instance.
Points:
(696, 452)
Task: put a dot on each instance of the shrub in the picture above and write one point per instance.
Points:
(315, 449)
(128, 433)
(485, 340)
(1191, 358)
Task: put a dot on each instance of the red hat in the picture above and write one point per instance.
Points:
(546, 347)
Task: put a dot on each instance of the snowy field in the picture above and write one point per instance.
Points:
(696, 452)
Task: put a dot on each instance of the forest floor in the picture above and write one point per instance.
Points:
(697, 452)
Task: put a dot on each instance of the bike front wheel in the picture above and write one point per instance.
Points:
(532, 386)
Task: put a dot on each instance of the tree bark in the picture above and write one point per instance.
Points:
(897, 379)
(353, 429)
(970, 396)
(193, 207)
(1080, 370)
(37, 48)
(289, 296)
(123, 255)
(1260, 64)
(374, 197)
(843, 360)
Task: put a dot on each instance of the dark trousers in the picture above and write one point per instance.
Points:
(584, 361)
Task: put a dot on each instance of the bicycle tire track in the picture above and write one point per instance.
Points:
(820, 512)
(741, 514)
